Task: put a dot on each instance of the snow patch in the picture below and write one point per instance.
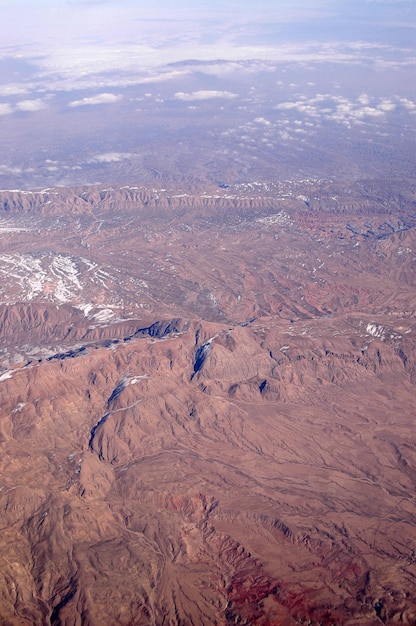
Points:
(86, 308)
(65, 270)
(19, 407)
(136, 379)
(105, 315)
(12, 229)
(6, 375)
(277, 218)
(376, 330)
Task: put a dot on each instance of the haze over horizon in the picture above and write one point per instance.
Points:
(88, 85)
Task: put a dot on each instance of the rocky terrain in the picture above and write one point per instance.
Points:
(207, 404)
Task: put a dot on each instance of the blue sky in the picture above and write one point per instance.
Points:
(52, 12)
(42, 23)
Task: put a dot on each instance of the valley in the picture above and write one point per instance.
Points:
(207, 404)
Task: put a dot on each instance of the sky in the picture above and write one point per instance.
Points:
(61, 57)
(77, 38)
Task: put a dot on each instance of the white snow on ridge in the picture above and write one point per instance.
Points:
(6, 375)
(90, 264)
(32, 274)
(55, 278)
(19, 407)
(66, 272)
(375, 330)
(86, 308)
(277, 218)
(5, 228)
(27, 272)
(60, 279)
(136, 379)
(105, 315)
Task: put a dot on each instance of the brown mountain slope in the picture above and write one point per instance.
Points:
(251, 488)
(208, 419)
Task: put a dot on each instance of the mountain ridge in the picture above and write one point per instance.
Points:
(208, 417)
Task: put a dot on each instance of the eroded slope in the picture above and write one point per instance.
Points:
(230, 442)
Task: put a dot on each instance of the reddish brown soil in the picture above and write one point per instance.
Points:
(215, 424)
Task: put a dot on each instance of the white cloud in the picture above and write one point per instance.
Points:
(364, 99)
(286, 105)
(342, 110)
(408, 104)
(262, 120)
(13, 89)
(68, 65)
(204, 95)
(102, 98)
(5, 109)
(110, 157)
(160, 77)
(7, 169)
(386, 105)
(31, 105)
(299, 119)
(361, 112)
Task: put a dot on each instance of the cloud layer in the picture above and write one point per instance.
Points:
(102, 98)
(205, 95)
(274, 76)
